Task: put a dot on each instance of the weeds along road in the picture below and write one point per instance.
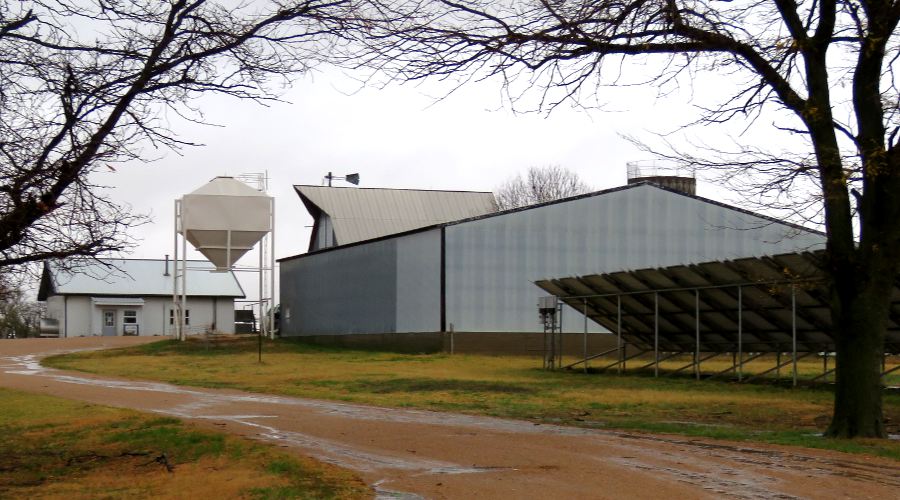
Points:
(412, 454)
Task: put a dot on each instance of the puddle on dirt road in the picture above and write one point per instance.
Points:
(708, 454)
(335, 452)
(23, 365)
(202, 402)
(722, 481)
(382, 493)
(721, 469)
(29, 365)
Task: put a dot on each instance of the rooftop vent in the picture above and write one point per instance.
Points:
(661, 174)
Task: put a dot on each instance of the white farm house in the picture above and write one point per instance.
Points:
(134, 297)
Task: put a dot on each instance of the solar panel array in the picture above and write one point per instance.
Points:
(759, 302)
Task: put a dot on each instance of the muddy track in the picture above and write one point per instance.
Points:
(413, 454)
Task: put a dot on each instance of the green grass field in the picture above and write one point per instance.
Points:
(499, 386)
(56, 448)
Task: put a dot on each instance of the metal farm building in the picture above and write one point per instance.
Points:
(476, 276)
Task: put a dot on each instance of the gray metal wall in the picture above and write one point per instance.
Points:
(419, 282)
(491, 263)
(380, 287)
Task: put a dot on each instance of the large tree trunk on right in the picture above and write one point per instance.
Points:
(860, 317)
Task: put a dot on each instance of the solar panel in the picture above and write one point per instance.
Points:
(757, 301)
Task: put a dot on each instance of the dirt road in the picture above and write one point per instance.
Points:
(413, 454)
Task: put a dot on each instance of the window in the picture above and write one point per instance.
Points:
(129, 317)
(109, 318)
(187, 317)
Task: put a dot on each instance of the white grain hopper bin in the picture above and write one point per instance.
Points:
(224, 219)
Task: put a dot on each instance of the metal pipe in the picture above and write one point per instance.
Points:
(794, 330)
(740, 334)
(621, 365)
(585, 347)
(228, 248)
(656, 334)
(184, 309)
(272, 274)
(175, 272)
(262, 313)
(697, 334)
(560, 341)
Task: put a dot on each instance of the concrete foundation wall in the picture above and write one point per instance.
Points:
(518, 344)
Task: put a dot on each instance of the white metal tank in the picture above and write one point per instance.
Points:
(224, 219)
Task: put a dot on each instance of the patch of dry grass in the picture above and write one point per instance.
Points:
(501, 386)
(55, 448)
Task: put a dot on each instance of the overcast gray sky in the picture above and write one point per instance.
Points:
(397, 137)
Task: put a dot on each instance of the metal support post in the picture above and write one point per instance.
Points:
(559, 361)
(585, 347)
(175, 329)
(262, 313)
(697, 334)
(794, 331)
(184, 270)
(740, 371)
(272, 274)
(621, 365)
(655, 334)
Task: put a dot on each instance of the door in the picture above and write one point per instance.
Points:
(109, 323)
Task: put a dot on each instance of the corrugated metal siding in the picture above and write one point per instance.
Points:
(359, 214)
(373, 288)
(419, 282)
(347, 291)
(491, 263)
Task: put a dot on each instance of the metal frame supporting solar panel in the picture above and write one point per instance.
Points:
(766, 321)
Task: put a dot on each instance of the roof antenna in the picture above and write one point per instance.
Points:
(351, 178)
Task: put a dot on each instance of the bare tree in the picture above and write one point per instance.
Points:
(824, 71)
(88, 84)
(19, 318)
(539, 185)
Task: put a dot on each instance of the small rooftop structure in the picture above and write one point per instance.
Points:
(661, 174)
(345, 215)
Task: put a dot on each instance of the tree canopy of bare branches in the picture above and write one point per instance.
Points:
(539, 185)
(86, 85)
(824, 69)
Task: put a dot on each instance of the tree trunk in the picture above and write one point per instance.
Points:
(860, 321)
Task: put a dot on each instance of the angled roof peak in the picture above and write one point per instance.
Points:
(358, 214)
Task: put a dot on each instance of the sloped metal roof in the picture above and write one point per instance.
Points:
(136, 277)
(360, 214)
(226, 186)
(768, 288)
